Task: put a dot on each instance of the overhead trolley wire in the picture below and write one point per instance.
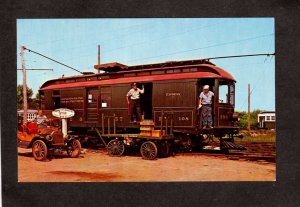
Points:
(165, 37)
(194, 49)
(258, 80)
(36, 69)
(144, 42)
(89, 45)
(236, 56)
(53, 60)
(62, 39)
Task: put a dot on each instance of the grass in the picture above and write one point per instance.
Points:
(259, 138)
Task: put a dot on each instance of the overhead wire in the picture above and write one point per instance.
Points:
(165, 37)
(61, 39)
(200, 48)
(52, 60)
(102, 41)
(150, 41)
(258, 80)
(184, 51)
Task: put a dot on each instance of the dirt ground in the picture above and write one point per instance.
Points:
(97, 166)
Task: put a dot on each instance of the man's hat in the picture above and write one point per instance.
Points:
(206, 87)
(133, 84)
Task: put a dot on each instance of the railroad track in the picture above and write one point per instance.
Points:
(258, 152)
(248, 156)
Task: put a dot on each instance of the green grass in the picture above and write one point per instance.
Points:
(259, 138)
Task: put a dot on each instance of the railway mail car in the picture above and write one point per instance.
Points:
(171, 95)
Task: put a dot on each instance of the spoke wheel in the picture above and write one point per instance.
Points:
(164, 149)
(74, 148)
(39, 150)
(148, 150)
(115, 147)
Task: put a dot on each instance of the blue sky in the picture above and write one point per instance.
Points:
(151, 40)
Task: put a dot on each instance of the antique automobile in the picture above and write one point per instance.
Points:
(44, 140)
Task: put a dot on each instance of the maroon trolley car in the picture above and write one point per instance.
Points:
(171, 95)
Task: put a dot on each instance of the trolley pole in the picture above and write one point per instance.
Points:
(24, 86)
(249, 127)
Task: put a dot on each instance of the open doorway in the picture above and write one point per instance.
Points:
(56, 99)
(201, 83)
(56, 102)
(92, 99)
(146, 100)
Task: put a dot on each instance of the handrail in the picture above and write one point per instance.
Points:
(165, 116)
(108, 123)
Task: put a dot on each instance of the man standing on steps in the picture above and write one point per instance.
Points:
(205, 101)
(133, 100)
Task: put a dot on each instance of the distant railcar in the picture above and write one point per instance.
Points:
(171, 95)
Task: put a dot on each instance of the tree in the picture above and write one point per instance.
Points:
(243, 122)
(32, 102)
(253, 119)
(35, 102)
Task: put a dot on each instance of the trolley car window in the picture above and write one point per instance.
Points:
(129, 74)
(158, 72)
(80, 79)
(143, 73)
(223, 94)
(92, 98)
(177, 70)
(105, 97)
(232, 96)
(105, 100)
(70, 81)
(102, 77)
(226, 93)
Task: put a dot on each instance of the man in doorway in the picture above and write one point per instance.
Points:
(133, 100)
(205, 101)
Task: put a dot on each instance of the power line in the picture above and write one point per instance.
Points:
(144, 42)
(264, 71)
(194, 49)
(37, 69)
(62, 39)
(53, 60)
(165, 37)
(105, 40)
(226, 43)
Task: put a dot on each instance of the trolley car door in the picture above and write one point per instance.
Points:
(92, 105)
(146, 100)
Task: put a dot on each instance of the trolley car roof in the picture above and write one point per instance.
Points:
(141, 73)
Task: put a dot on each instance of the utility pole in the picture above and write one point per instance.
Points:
(98, 54)
(24, 86)
(249, 128)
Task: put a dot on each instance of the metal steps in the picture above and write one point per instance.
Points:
(231, 145)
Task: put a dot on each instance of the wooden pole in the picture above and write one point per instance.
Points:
(249, 128)
(24, 86)
(98, 54)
